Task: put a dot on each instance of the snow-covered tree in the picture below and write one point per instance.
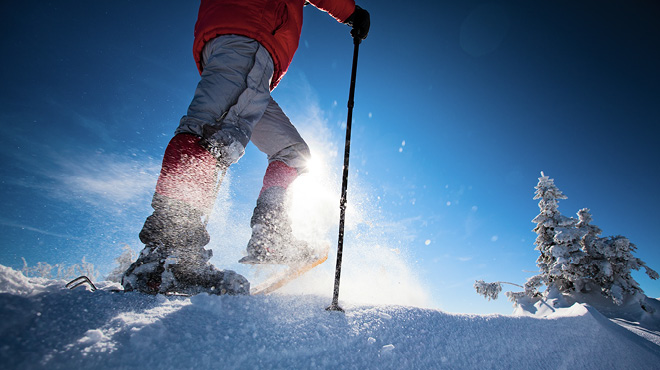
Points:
(547, 221)
(87, 269)
(611, 265)
(573, 257)
(488, 290)
(491, 290)
(60, 271)
(609, 262)
(558, 241)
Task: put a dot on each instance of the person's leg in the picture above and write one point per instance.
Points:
(230, 98)
(272, 240)
(275, 135)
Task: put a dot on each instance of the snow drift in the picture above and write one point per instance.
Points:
(45, 325)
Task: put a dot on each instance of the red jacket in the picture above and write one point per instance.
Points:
(276, 24)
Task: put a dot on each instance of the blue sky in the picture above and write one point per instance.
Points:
(459, 107)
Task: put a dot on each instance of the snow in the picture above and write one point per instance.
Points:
(45, 326)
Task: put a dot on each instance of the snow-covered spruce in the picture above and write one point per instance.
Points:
(574, 259)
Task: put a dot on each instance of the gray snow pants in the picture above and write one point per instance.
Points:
(232, 105)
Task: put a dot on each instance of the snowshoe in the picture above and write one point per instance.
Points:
(174, 259)
(158, 272)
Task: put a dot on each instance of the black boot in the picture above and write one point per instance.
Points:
(272, 240)
(174, 259)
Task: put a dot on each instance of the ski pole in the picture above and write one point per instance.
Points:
(344, 184)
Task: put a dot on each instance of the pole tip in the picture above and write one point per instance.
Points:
(335, 307)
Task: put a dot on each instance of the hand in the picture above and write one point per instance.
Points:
(360, 22)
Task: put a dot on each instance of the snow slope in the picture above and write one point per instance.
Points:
(45, 325)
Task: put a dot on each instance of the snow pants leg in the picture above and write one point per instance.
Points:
(231, 106)
(278, 138)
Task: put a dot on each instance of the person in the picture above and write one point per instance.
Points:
(242, 49)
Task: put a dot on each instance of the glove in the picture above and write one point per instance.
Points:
(360, 22)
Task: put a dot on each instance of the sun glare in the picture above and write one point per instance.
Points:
(315, 198)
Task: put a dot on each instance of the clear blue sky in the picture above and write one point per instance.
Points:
(459, 106)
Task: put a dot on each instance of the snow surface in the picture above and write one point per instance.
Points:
(45, 325)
